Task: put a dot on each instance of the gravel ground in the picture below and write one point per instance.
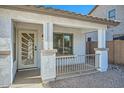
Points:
(113, 78)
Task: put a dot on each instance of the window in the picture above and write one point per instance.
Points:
(112, 14)
(63, 43)
(118, 37)
(89, 39)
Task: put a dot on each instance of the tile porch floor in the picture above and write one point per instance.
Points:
(27, 79)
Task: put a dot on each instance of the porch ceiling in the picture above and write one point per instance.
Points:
(75, 29)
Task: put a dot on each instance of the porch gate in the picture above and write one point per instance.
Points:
(66, 65)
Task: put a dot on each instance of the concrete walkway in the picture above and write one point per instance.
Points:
(27, 79)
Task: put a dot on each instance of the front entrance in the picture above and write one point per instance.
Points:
(27, 49)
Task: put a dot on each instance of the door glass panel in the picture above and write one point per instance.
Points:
(27, 48)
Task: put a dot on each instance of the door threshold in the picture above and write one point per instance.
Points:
(24, 69)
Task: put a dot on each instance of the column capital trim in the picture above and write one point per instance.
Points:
(101, 49)
(48, 52)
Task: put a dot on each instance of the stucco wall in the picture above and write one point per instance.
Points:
(102, 11)
(5, 45)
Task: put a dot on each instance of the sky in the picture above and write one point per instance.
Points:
(83, 9)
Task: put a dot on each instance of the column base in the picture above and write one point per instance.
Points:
(48, 65)
(48, 80)
(103, 59)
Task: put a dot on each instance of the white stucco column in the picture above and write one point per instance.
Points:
(45, 36)
(48, 35)
(48, 54)
(6, 62)
(102, 51)
(101, 38)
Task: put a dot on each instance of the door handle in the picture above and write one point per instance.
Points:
(35, 48)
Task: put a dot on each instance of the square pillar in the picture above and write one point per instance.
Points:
(102, 51)
(101, 38)
(45, 36)
(102, 57)
(48, 65)
(6, 59)
(48, 36)
(48, 54)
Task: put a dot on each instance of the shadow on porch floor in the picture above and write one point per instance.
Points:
(27, 79)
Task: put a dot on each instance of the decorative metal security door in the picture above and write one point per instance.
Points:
(27, 49)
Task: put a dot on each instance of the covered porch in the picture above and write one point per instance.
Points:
(62, 45)
(66, 52)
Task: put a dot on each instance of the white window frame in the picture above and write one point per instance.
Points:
(111, 17)
(63, 42)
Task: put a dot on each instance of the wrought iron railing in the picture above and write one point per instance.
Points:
(76, 63)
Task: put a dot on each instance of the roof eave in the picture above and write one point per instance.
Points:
(62, 13)
(93, 9)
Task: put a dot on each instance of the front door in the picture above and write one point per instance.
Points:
(27, 49)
